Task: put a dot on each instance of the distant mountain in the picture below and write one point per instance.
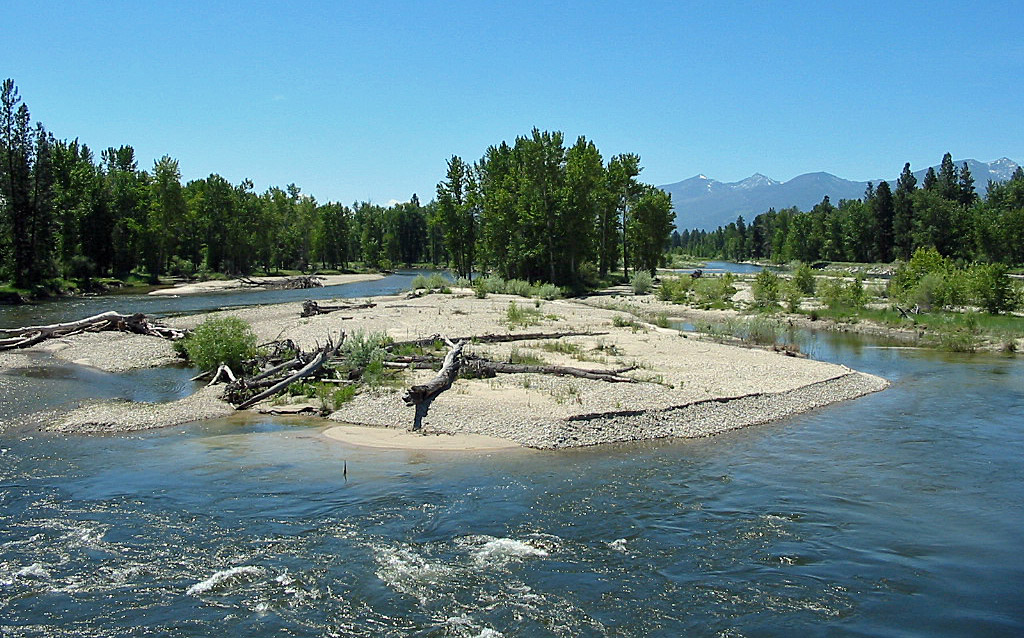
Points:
(701, 202)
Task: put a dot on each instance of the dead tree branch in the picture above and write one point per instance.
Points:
(423, 395)
(137, 323)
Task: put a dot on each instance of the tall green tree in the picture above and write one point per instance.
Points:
(166, 215)
(457, 213)
(649, 227)
(883, 208)
(27, 187)
(903, 214)
(622, 173)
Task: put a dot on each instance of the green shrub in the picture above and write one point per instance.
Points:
(344, 394)
(792, 296)
(675, 289)
(641, 282)
(803, 279)
(715, 290)
(839, 295)
(360, 349)
(480, 288)
(492, 284)
(765, 289)
(924, 261)
(516, 315)
(992, 289)
(227, 340)
(518, 287)
(548, 291)
(435, 281)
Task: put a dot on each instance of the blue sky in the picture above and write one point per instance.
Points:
(366, 101)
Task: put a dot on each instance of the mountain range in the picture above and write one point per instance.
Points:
(701, 202)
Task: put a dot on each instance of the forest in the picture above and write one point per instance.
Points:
(944, 212)
(533, 210)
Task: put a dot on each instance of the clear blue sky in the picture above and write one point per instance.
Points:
(366, 101)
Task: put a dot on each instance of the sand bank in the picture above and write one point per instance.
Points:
(235, 284)
(684, 386)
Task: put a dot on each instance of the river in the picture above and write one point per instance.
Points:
(898, 514)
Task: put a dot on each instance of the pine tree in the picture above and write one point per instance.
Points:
(966, 194)
(884, 211)
(948, 179)
(903, 214)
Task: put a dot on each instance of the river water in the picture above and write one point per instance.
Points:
(898, 514)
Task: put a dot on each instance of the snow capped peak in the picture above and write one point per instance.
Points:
(756, 180)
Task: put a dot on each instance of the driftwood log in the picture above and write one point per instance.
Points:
(423, 395)
(495, 338)
(311, 308)
(11, 338)
(289, 283)
(310, 368)
(485, 368)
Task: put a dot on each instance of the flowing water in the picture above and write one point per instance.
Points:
(898, 514)
(163, 305)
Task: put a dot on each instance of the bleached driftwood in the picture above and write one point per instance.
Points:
(136, 323)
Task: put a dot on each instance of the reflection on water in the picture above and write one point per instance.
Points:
(898, 513)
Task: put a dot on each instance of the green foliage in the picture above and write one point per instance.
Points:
(804, 280)
(342, 395)
(517, 356)
(360, 349)
(715, 291)
(227, 340)
(494, 284)
(675, 289)
(624, 322)
(766, 289)
(792, 296)
(518, 287)
(561, 346)
(434, 282)
(960, 335)
(480, 289)
(842, 295)
(992, 289)
(641, 282)
(521, 316)
(925, 261)
(547, 291)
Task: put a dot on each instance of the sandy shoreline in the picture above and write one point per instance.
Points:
(685, 386)
(201, 287)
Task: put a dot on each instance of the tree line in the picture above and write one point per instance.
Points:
(944, 212)
(535, 210)
(66, 214)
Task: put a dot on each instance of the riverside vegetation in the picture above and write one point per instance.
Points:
(930, 299)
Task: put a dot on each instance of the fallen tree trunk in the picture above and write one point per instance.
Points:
(311, 308)
(493, 338)
(423, 395)
(137, 323)
(486, 369)
(290, 283)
